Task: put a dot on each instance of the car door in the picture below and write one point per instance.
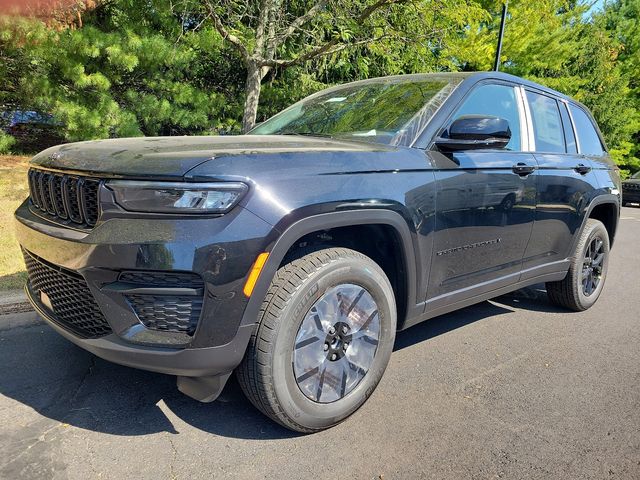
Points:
(485, 202)
(565, 183)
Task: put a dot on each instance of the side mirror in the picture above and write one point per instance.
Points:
(474, 132)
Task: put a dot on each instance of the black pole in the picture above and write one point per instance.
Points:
(496, 65)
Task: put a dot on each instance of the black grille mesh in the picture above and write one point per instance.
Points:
(73, 304)
(631, 186)
(171, 313)
(65, 197)
(162, 279)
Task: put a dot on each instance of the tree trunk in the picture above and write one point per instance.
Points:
(252, 90)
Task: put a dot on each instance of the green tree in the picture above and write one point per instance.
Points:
(621, 19)
(271, 34)
(166, 67)
(133, 68)
(555, 43)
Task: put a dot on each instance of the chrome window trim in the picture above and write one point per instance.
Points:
(573, 126)
(530, 134)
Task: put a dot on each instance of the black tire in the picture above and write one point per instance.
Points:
(266, 374)
(571, 292)
(508, 202)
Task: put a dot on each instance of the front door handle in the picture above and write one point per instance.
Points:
(523, 169)
(582, 169)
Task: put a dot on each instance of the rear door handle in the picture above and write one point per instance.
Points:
(523, 169)
(582, 169)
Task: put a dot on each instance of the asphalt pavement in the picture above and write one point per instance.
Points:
(513, 388)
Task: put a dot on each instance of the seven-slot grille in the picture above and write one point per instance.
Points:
(631, 186)
(74, 307)
(66, 198)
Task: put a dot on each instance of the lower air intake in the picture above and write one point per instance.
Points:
(74, 307)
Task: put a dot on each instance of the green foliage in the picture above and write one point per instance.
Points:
(621, 21)
(6, 142)
(128, 73)
(554, 43)
(161, 67)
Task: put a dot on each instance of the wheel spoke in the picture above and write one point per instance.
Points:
(370, 340)
(598, 246)
(343, 382)
(306, 342)
(317, 321)
(320, 385)
(307, 374)
(364, 336)
(355, 302)
(598, 260)
(368, 321)
(357, 368)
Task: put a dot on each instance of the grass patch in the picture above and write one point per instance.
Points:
(13, 190)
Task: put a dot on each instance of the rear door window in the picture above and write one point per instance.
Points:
(588, 138)
(547, 124)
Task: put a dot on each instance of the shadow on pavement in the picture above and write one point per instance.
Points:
(64, 383)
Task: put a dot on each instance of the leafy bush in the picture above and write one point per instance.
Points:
(6, 142)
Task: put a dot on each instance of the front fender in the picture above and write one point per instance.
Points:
(326, 221)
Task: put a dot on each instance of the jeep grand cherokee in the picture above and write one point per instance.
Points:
(292, 255)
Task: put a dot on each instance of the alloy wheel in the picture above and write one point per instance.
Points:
(336, 343)
(592, 265)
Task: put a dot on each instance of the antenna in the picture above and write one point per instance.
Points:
(496, 65)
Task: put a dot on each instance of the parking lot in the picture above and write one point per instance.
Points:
(512, 388)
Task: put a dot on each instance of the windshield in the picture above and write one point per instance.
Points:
(636, 175)
(391, 111)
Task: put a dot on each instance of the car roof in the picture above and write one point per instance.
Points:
(523, 81)
(471, 77)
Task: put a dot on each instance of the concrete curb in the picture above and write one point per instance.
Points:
(14, 301)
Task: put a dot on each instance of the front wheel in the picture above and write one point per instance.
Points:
(324, 337)
(583, 284)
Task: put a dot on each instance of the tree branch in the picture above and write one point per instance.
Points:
(335, 44)
(300, 21)
(327, 49)
(263, 20)
(235, 41)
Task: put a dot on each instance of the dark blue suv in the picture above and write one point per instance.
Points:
(293, 254)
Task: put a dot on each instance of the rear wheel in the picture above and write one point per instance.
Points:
(583, 284)
(325, 334)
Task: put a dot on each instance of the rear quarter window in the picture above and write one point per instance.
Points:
(588, 139)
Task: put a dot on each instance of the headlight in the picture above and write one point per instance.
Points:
(166, 197)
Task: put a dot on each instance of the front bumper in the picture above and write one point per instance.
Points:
(630, 196)
(189, 362)
(219, 250)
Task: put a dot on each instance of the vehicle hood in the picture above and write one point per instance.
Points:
(634, 181)
(175, 156)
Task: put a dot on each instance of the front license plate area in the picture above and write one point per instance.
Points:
(46, 301)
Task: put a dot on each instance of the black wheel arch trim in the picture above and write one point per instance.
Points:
(601, 199)
(330, 220)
